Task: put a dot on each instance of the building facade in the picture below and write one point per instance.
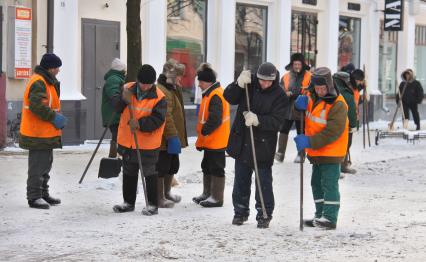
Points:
(232, 35)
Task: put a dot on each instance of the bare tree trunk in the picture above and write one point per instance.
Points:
(134, 43)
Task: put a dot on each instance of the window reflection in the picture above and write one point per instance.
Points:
(304, 36)
(250, 37)
(186, 39)
(349, 41)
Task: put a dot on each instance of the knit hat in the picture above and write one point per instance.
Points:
(147, 74)
(118, 65)
(297, 57)
(50, 60)
(267, 71)
(206, 73)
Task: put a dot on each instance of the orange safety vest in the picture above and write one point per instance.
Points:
(316, 121)
(356, 98)
(31, 124)
(219, 138)
(305, 82)
(142, 108)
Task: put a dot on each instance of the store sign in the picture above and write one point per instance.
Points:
(23, 18)
(394, 10)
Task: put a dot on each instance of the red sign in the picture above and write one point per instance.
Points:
(22, 72)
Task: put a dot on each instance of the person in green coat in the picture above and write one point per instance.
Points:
(111, 93)
(343, 84)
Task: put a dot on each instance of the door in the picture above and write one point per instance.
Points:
(100, 45)
(304, 35)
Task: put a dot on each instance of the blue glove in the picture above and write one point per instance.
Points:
(60, 121)
(302, 142)
(173, 145)
(301, 102)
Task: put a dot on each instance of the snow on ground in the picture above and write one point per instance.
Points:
(382, 217)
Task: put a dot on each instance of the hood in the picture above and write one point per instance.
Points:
(410, 72)
(113, 72)
(342, 79)
(322, 76)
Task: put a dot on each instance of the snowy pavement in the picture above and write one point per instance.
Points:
(382, 215)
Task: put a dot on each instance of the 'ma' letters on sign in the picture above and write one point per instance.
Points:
(394, 10)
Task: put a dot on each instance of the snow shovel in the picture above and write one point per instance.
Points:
(302, 160)
(105, 164)
(253, 150)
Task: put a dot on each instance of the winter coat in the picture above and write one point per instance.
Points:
(336, 122)
(413, 93)
(297, 82)
(113, 83)
(147, 124)
(36, 95)
(175, 117)
(270, 106)
(342, 83)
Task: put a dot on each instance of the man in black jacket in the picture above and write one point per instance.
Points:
(411, 96)
(267, 110)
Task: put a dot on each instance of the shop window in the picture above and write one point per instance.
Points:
(250, 37)
(420, 55)
(304, 35)
(349, 41)
(186, 39)
(387, 61)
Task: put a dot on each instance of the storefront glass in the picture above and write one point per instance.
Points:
(420, 55)
(387, 61)
(250, 37)
(304, 35)
(349, 41)
(186, 39)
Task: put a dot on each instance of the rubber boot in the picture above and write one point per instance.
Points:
(162, 201)
(282, 145)
(216, 197)
(112, 149)
(206, 190)
(168, 187)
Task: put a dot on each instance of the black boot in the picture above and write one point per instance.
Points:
(150, 210)
(206, 190)
(122, 208)
(217, 188)
(239, 220)
(51, 200)
(282, 145)
(324, 223)
(309, 222)
(263, 222)
(38, 203)
(152, 194)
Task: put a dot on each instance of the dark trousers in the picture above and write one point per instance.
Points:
(242, 190)
(168, 164)
(286, 126)
(130, 182)
(213, 163)
(39, 166)
(414, 111)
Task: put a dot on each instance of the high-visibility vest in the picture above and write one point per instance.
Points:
(305, 82)
(356, 98)
(31, 124)
(316, 121)
(142, 108)
(218, 139)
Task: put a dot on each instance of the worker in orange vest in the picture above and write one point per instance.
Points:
(325, 142)
(148, 105)
(294, 82)
(40, 130)
(213, 127)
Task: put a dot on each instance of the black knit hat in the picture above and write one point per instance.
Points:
(267, 71)
(205, 73)
(147, 74)
(50, 60)
(297, 57)
(349, 68)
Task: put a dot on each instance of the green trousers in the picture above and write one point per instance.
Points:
(325, 189)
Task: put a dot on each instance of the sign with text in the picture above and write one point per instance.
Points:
(23, 34)
(394, 14)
